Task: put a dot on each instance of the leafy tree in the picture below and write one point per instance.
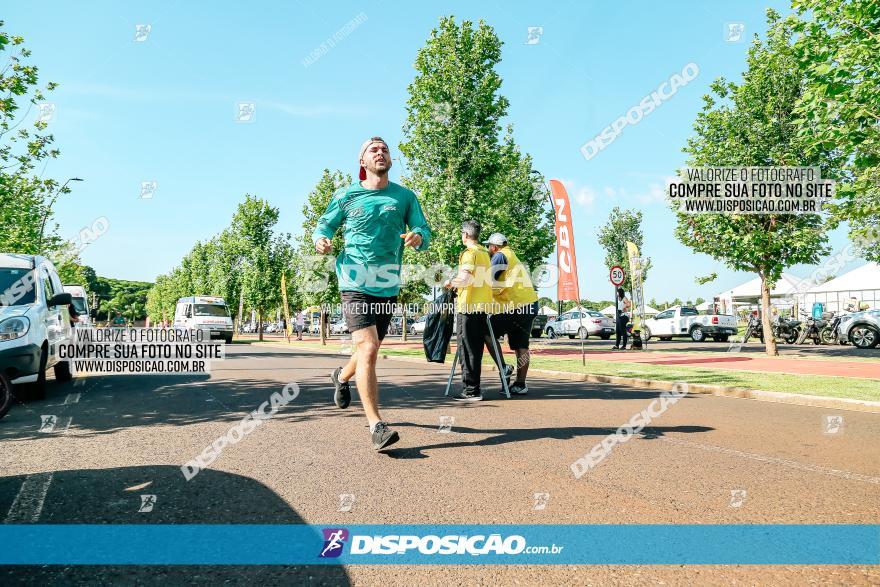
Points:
(754, 124)
(623, 226)
(161, 300)
(129, 298)
(457, 162)
(317, 283)
(265, 255)
(703, 280)
(26, 198)
(839, 48)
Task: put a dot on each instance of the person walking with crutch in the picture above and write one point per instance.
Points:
(517, 300)
(473, 305)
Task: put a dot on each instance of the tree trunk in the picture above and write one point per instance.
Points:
(322, 329)
(769, 339)
(403, 324)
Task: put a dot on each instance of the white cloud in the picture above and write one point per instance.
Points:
(610, 191)
(656, 192)
(582, 194)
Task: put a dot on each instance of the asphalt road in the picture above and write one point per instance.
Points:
(125, 436)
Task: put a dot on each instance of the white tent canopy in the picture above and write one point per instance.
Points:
(752, 289)
(862, 284)
(859, 288)
(548, 311)
(865, 277)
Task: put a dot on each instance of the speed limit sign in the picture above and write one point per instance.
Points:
(617, 275)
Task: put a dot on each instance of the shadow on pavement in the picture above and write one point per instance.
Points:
(114, 403)
(113, 496)
(510, 435)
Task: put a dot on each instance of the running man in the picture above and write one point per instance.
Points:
(375, 212)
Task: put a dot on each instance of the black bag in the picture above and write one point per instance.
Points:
(438, 327)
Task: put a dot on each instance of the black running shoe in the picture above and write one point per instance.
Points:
(508, 371)
(468, 395)
(383, 437)
(342, 395)
(519, 389)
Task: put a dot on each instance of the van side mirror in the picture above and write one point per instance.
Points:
(60, 299)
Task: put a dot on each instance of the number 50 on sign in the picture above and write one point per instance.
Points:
(617, 275)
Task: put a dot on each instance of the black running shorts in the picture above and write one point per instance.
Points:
(363, 310)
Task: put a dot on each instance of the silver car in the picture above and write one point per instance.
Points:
(583, 324)
(861, 328)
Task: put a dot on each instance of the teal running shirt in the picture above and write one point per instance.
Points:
(374, 220)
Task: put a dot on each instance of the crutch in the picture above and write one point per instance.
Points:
(498, 354)
(452, 372)
(500, 362)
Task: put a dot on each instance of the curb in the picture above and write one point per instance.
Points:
(813, 401)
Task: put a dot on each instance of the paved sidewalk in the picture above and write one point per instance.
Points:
(729, 361)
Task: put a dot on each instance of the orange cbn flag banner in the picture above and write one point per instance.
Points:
(567, 288)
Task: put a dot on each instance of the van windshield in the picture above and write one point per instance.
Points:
(17, 287)
(79, 304)
(211, 310)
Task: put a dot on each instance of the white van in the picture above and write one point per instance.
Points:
(34, 321)
(205, 312)
(80, 304)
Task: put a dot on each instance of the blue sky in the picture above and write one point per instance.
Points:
(164, 110)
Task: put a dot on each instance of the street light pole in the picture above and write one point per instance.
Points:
(49, 209)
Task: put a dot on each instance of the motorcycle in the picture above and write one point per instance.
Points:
(829, 333)
(812, 329)
(754, 328)
(788, 330)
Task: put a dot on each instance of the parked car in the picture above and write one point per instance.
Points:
(861, 328)
(418, 327)
(34, 322)
(396, 325)
(581, 323)
(538, 325)
(339, 327)
(687, 321)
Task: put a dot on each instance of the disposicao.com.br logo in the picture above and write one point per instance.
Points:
(394, 544)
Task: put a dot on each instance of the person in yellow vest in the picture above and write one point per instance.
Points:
(517, 300)
(474, 302)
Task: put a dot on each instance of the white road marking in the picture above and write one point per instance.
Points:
(72, 398)
(775, 460)
(28, 504)
(78, 382)
(65, 426)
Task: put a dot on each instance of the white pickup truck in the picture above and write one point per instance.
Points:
(687, 321)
